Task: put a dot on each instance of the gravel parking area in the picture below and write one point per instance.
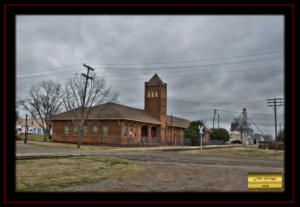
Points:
(179, 177)
(171, 171)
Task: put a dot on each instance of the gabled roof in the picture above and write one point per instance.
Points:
(111, 110)
(177, 122)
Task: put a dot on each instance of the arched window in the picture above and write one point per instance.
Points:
(66, 130)
(156, 94)
(85, 129)
(75, 130)
(104, 129)
(94, 130)
(148, 94)
(152, 94)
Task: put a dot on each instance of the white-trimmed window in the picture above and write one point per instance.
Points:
(75, 130)
(94, 130)
(84, 130)
(66, 130)
(104, 129)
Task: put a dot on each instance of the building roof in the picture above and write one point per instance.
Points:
(178, 122)
(155, 81)
(111, 110)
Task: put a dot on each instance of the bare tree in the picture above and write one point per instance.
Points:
(44, 101)
(96, 93)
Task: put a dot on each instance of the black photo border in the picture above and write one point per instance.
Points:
(9, 48)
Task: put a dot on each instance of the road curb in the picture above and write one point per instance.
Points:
(29, 157)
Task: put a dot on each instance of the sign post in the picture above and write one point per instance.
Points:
(201, 134)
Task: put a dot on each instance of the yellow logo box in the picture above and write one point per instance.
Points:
(257, 181)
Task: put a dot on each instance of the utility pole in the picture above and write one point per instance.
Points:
(218, 120)
(25, 140)
(280, 129)
(87, 77)
(171, 128)
(215, 111)
(244, 124)
(275, 102)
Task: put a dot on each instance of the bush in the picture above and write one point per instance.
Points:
(192, 132)
(220, 134)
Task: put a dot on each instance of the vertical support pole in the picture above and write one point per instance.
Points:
(215, 110)
(25, 140)
(275, 116)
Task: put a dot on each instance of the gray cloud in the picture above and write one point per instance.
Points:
(54, 47)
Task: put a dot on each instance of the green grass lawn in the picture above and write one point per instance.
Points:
(33, 136)
(54, 173)
(68, 145)
(251, 151)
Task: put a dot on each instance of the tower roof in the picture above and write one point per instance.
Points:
(155, 80)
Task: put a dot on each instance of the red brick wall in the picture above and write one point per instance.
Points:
(58, 132)
(115, 133)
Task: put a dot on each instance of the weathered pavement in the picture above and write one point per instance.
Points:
(171, 171)
(158, 156)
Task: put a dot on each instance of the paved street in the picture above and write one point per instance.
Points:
(159, 156)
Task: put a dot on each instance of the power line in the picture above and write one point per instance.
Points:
(255, 125)
(273, 68)
(190, 112)
(217, 103)
(189, 61)
(252, 55)
(189, 66)
(53, 69)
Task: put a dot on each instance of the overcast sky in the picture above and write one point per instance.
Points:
(209, 62)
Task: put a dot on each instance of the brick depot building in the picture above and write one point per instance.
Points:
(115, 124)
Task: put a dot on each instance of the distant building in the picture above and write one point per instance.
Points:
(33, 126)
(258, 137)
(248, 136)
(235, 135)
(234, 126)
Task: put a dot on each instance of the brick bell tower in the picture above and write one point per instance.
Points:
(156, 102)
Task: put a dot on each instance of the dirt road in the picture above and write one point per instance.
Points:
(172, 171)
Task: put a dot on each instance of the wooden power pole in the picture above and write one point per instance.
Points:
(275, 102)
(25, 139)
(87, 77)
(218, 120)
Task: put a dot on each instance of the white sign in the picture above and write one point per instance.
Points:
(201, 129)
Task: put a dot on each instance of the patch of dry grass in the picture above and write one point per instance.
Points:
(54, 173)
(167, 148)
(68, 145)
(252, 152)
(124, 148)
